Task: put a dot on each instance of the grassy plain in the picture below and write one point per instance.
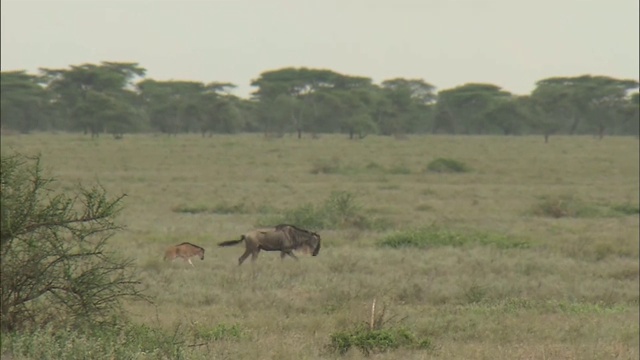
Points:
(571, 291)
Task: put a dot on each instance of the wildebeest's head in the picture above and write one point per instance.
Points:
(201, 253)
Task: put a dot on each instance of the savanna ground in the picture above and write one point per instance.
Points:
(532, 254)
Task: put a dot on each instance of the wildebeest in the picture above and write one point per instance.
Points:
(283, 237)
(185, 251)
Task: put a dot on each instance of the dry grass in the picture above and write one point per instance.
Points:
(572, 293)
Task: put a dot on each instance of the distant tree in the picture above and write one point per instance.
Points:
(172, 106)
(595, 100)
(302, 92)
(24, 101)
(552, 110)
(217, 108)
(409, 105)
(509, 114)
(443, 120)
(96, 97)
(630, 120)
(354, 112)
(468, 104)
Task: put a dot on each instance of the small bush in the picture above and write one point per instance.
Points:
(374, 167)
(377, 336)
(399, 169)
(372, 341)
(569, 206)
(339, 211)
(125, 341)
(559, 206)
(442, 165)
(220, 208)
(224, 208)
(195, 209)
(219, 332)
(626, 209)
(435, 236)
(475, 293)
(423, 207)
(326, 166)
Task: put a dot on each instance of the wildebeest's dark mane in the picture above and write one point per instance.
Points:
(280, 226)
(194, 245)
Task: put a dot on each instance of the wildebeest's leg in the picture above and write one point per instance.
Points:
(254, 255)
(290, 253)
(244, 256)
(189, 260)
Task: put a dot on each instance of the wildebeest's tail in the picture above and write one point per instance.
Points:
(232, 242)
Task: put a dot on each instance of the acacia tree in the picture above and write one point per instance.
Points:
(24, 101)
(508, 114)
(552, 110)
(217, 109)
(409, 102)
(54, 264)
(596, 101)
(631, 117)
(468, 104)
(91, 94)
(169, 103)
(296, 96)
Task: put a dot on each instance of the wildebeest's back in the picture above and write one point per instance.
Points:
(270, 240)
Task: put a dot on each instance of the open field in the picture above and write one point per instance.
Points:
(539, 257)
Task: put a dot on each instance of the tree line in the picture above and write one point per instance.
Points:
(116, 98)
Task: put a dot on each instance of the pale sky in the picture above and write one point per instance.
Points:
(509, 43)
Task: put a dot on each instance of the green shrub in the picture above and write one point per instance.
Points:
(94, 343)
(442, 165)
(224, 208)
(376, 336)
(559, 206)
(326, 166)
(626, 209)
(339, 211)
(307, 216)
(193, 209)
(219, 332)
(373, 341)
(374, 167)
(569, 206)
(436, 236)
(220, 208)
(399, 169)
(125, 341)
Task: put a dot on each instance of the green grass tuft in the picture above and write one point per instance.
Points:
(339, 211)
(219, 332)
(222, 208)
(326, 167)
(570, 206)
(443, 165)
(626, 209)
(375, 341)
(434, 236)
